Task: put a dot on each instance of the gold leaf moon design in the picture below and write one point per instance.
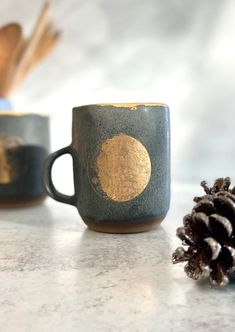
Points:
(123, 168)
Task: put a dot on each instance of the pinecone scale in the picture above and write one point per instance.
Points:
(208, 235)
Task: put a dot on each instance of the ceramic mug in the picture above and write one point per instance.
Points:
(24, 146)
(121, 166)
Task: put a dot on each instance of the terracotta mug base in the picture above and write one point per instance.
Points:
(14, 203)
(139, 226)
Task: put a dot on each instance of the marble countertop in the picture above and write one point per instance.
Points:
(56, 275)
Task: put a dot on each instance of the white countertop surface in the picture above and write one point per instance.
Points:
(56, 275)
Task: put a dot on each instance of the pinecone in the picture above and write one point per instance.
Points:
(209, 235)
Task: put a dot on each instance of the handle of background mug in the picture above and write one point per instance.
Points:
(49, 186)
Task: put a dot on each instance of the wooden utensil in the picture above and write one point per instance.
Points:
(45, 45)
(28, 53)
(29, 48)
(10, 39)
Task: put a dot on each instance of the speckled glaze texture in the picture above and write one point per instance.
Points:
(92, 126)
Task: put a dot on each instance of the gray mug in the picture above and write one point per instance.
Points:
(24, 146)
(121, 166)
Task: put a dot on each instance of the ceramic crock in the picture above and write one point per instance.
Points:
(24, 146)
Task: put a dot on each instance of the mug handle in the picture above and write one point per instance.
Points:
(47, 178)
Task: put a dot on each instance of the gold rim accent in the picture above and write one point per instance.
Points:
(18, 113)
(130, 105)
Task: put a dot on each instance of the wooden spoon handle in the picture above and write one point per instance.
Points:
(29, 49)
(10, 40)
(47, 42)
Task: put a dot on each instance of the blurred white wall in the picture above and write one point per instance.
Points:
(180, 52)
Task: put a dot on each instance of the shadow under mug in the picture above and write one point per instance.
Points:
(121, 166)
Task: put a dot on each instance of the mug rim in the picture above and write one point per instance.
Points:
(19, 113)
(123, 105)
